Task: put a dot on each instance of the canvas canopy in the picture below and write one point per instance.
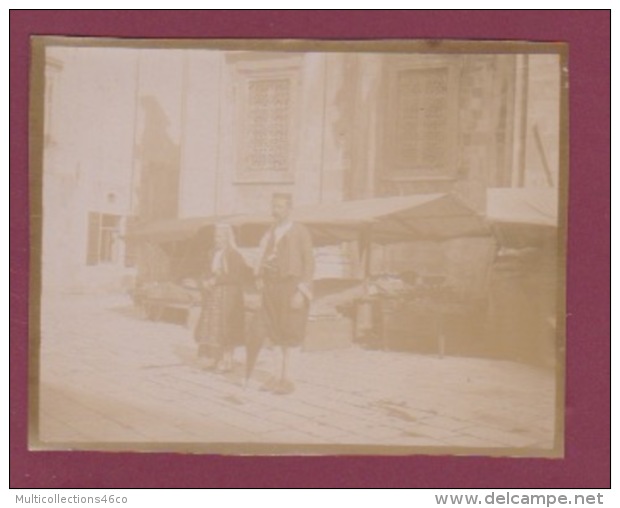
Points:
(523, 206)
(386, 220)
(171, 230)
(381, 220)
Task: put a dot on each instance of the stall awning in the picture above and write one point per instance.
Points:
(527, 206)
(386, 220)
(173, 230)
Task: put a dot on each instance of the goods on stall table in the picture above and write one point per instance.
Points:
(155, 299)
(405, 315)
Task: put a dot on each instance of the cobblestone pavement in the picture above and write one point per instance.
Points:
(109, 379)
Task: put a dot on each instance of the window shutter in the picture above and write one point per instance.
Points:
(92, 248)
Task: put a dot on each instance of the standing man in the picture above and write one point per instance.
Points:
(285, 271)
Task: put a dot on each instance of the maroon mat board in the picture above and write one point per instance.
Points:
(587, 460)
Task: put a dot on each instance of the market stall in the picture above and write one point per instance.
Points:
(524, 290)
(170, 255)
(406, 312)
(386, 317)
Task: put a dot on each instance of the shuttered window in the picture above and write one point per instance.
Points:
(422, 118)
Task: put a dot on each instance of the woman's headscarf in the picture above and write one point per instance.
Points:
(231, 243)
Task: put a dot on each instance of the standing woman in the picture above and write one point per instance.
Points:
(221, 325)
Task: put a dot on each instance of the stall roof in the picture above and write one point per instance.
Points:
(171, 230)
(533, 206)
(387, 219)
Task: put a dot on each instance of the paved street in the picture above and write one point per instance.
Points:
(111, 379)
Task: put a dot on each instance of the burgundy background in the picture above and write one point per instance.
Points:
(587, 462)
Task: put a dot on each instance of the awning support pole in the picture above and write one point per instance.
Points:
(366, 248)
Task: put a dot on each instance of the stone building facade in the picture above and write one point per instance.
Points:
(138, 135)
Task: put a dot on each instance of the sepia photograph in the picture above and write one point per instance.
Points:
(298, 247)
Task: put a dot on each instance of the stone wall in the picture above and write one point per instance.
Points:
(116, 115)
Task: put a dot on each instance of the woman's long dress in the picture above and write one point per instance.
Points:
(222, 320)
